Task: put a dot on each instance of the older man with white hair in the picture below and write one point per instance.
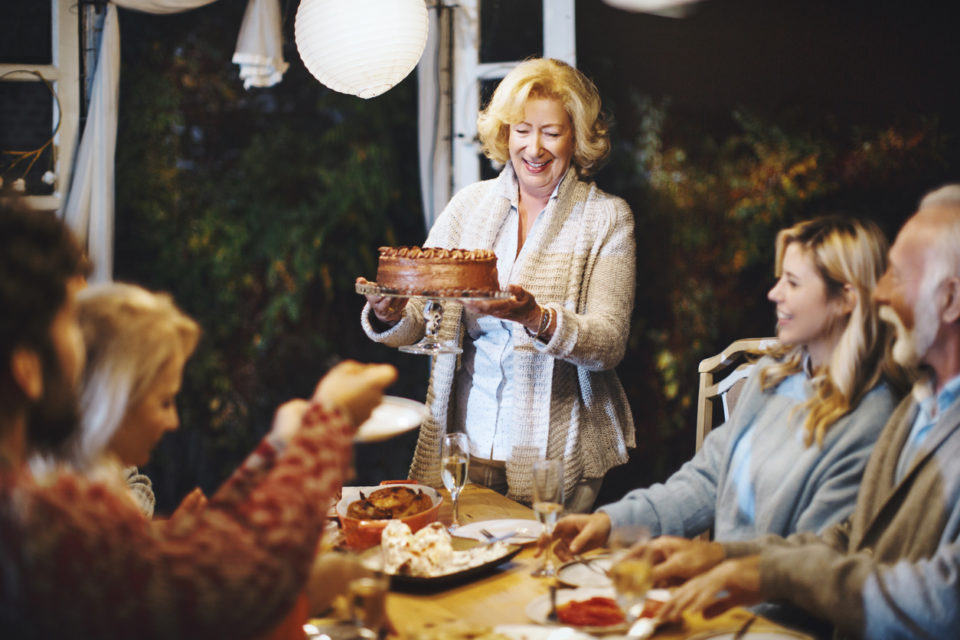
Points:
(892, 569)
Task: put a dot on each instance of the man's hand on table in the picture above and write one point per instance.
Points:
(732, 583)
(678, 559)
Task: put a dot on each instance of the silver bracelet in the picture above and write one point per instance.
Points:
(546, 314)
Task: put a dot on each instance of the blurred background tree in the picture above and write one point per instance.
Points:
(257, 209)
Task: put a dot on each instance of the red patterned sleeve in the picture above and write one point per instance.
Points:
(248, 475)
(91, 563)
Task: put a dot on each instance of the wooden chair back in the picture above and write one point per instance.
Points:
(721, 378)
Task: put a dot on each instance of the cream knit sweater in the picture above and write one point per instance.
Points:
(568, 401)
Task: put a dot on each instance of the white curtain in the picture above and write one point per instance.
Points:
(259, 49)
(89, 208)
(433, 119)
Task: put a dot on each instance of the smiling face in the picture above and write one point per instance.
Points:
(906, 299)
(806, 316)
(155, 414)
(541, 146)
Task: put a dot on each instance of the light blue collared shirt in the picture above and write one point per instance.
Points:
(794, 386)
(931, 408)
(485, 382)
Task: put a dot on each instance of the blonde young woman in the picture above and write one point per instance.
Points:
(536, 376)
(792, 453)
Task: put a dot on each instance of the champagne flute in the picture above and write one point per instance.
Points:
(454, 463)
(367, 594)
(547, 504)
(632, 569)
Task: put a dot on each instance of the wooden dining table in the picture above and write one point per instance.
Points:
(501, 596)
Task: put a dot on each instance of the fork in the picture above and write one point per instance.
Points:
(486, 533)
(588, 563)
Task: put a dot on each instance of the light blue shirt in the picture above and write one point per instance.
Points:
(485, 383)
(741, 463)
(930, 409)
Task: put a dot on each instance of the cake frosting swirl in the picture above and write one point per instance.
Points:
(432, 270)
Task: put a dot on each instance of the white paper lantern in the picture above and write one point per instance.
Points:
(361, 47)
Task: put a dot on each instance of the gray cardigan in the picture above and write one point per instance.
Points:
(568, 401)
(782, 486)
(892, 569)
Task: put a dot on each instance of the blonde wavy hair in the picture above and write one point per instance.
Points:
(554, 79)
(131, 336)
(845, 252)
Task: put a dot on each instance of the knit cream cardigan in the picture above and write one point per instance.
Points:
(568, 401)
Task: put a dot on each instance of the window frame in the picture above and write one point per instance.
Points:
(63, 74)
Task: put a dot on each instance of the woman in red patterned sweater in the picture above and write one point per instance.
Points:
(77, 558)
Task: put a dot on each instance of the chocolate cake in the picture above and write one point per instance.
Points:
(418, 270)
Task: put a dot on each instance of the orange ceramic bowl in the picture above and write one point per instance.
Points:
(363, 534)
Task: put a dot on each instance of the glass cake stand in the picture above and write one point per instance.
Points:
(432, 313)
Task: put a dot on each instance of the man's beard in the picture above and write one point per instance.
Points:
(912, 344)
(55, 416)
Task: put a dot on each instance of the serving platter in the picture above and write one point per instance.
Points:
(403, 582)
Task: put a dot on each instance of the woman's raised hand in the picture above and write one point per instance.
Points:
(387, 309)
(355, 387)
(351, 386)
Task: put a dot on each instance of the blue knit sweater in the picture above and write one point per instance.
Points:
(755, 475)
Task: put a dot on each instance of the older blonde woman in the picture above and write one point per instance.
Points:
(536, 376)
(791, 455)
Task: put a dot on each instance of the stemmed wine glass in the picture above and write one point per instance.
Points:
(367, 592)
(454, 462)
(547, 504)
(632, 569)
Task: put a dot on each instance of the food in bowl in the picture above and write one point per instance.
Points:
(389, 503)
(363, 533)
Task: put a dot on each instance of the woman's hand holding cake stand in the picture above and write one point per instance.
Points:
(387, 309)
(520, 307)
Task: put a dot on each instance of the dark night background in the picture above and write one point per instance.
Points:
(257, 209)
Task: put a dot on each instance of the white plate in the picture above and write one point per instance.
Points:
(538, 608)
(536, 632)
(392, 417)
(527, 531)
(587, 574)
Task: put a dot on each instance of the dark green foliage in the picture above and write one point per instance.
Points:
(257, 210)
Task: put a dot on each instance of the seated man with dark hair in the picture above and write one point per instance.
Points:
(76, 556)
